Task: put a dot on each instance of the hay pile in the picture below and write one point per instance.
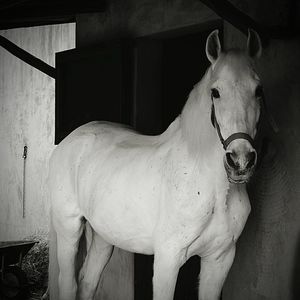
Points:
(35, 264)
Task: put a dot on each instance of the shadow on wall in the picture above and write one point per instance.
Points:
(267, 264)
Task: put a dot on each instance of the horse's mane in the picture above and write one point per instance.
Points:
(195, 119)
(196, 125)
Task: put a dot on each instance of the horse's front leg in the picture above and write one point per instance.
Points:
(214, 270)
(166, 267)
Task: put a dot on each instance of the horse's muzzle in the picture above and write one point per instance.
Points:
(240, 166)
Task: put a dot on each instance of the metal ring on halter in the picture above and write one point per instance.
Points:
(232, 137)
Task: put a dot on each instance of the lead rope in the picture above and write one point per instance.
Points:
(24, 173)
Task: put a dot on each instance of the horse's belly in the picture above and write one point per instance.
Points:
(121, 197)
(124, 228)
(124, 212)
(127, 240)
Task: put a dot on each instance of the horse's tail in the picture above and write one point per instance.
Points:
(83, 247)
(53, 263)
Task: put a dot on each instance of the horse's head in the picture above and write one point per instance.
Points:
(236, 95)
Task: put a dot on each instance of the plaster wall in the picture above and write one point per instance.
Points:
(27, 118)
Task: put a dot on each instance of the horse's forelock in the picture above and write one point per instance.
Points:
(235, 61)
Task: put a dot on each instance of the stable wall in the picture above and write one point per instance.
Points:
(267, 264)
(27, 118)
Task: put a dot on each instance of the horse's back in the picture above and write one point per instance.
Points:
(68, 156)
(85, 139)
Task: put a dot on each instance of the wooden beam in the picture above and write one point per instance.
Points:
(27, 57)
(235, 17)
(46, 12)
(32, 9)
(4, 4)
(242, 22)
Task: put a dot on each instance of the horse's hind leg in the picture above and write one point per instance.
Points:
(99, 253)
(69, 230)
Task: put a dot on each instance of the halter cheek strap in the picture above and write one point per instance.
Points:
(232, 137)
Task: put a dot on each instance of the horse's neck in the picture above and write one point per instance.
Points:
(204, 173)
(200, 137)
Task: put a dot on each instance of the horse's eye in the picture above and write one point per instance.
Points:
(259, 91)
(215, 93)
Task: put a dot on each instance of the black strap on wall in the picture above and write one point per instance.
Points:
(27, 57)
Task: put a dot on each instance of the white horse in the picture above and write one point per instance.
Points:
(175, 195)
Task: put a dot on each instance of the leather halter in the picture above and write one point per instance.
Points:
(232, 137)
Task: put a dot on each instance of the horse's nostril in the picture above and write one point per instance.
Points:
(251, 159)
(230, 158)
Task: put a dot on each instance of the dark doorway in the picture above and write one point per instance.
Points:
(93, 84)
(167, 69)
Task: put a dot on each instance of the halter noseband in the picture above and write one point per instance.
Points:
(232, 137)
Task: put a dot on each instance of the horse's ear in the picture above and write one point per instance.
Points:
(254, 47)
(213, 46)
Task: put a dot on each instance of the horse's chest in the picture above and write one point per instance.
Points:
(223, 227)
